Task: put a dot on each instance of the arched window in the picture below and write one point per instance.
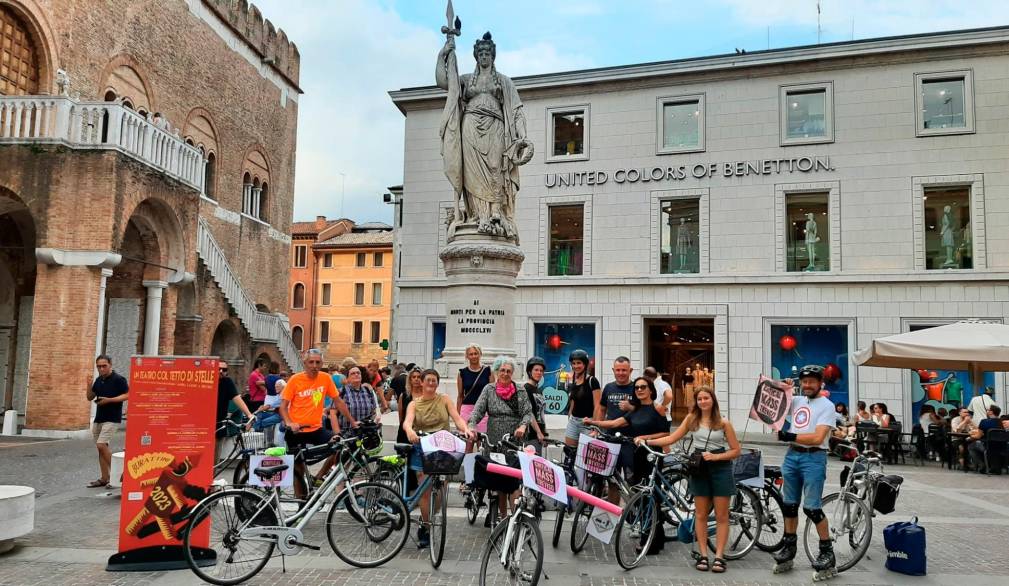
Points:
(110, 96)
(298, 297)
(298, 335)
(19, 61)
(209, 175)
(264, 193)
(258, 167)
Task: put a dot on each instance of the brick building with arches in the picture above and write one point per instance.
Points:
(146, 192)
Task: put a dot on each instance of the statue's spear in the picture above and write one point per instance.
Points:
(454, 27)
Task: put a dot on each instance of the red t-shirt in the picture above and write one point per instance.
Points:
(257, 393)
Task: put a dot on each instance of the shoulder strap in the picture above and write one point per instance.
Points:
(476, 381)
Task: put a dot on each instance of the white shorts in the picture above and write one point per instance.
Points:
(103, 432)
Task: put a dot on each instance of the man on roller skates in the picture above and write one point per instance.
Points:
(805, 469)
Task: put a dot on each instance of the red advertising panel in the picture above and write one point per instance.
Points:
(169, 458)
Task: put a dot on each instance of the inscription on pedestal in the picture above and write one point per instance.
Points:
(476, 319)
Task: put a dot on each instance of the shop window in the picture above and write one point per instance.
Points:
(327, 294)
(437, 340)
(945, 103)
(944, 389)
(680, 231)
(566, 239)
(324, 332)
(361, 259)
(554, 342)
(948, 242)
(379, 259)
(681, 124)
(359, 332)
(298, 296)
(297, 336)
(376, 293)
(358, 293)
(807, 226)
(327, 260)
(568, 133)
(794, 346)
(806, 114)
(300, 256)
(376, 332)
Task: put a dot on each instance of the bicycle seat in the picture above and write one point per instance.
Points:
(772, 472)
(265, 472)
(403, 449)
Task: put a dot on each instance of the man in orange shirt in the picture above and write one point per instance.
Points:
(303, 400)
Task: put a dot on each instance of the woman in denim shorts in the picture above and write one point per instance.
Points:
(584, 393)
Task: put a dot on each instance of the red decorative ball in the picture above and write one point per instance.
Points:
(554, 342)
(787, 343)
(922, 374)
(831, 372)
(933, 375)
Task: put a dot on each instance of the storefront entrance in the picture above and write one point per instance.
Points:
(682, 350)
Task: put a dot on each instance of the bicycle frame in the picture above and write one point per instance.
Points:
(522, 508)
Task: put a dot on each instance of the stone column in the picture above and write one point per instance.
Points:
(152, 318)
(100, 334)
(480, 298)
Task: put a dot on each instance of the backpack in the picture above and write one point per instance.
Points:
(905, 548)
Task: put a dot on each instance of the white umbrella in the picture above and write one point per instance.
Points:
(973, 346)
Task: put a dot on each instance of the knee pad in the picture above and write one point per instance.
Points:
(790, 510)
(815, 515)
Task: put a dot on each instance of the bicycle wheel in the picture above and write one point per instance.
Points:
(635, 530)
(473, 499)
(745, 523)
(239, 557)
(849, 523)
(579, 527)
(523, 556)
(559, 524)
(439, 521)
(367, 524)
(772, 531)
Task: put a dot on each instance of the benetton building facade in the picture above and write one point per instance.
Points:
(743, 214)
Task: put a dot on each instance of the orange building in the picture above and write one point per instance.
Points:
(341, 288)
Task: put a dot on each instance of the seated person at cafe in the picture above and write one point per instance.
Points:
(978, 445)
(962, 424)
(861, 415)
(881, 417)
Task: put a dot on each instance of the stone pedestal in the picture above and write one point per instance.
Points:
(479, 299)
(17, 514)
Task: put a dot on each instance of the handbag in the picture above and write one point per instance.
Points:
(696, 465)
(905, 548)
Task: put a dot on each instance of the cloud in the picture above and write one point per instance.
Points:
(350, 135)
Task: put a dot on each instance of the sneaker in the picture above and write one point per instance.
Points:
(423, 538)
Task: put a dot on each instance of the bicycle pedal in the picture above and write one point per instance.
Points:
(306, 545)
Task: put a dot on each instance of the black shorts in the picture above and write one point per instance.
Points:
(311, 438)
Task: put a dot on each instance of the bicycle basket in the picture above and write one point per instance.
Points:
(440, 462)
(859, 467)
(254, 440)
(371, 441)
(887, 490)
(495, 482)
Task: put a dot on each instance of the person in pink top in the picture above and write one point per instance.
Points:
(257, 384)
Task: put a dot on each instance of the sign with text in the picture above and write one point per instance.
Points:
(543, 476)
(169, 458)
(555, 401)
(596, 456)
(442, 441)
(601, 524)
(283, 479)
(772, 402)
(802, 164)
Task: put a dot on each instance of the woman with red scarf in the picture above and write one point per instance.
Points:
(508, 410)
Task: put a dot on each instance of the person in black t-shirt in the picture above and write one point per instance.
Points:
(534, 375)
(227, 393)
(108, 392)
(616, 396)
(644, 422)
(583, 396)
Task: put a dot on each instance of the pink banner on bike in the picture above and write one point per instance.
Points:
(596, 456)
(571, 491)
(543, 476)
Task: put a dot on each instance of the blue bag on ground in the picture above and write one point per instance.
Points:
(905, 548)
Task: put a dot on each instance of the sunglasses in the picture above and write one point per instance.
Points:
(640, 387)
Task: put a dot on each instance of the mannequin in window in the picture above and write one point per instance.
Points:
(684, 245)
(812, 237)
(948, 240)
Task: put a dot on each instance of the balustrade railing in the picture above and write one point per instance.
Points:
(97, 125)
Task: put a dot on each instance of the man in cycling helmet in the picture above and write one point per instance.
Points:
(805, 468)
(535, 367)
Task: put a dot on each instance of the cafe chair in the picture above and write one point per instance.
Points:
(996, 451)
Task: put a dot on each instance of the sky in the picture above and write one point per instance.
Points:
(353, 52)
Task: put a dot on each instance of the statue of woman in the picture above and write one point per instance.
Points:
(483, 134)
(684, 243)
(948, 241)
(812, 237)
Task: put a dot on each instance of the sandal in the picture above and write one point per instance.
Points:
(98, 484)
(702, 564)
(718, 566)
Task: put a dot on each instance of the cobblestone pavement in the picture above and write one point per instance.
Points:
(966, 516)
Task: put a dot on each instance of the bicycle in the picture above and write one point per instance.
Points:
(772, 533)
(367, 524)
(515, 546)
(848, 513)
(661, 499)
(596, 485)
(567, 464)
(239, 450)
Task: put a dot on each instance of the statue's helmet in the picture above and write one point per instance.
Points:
(483, 43)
